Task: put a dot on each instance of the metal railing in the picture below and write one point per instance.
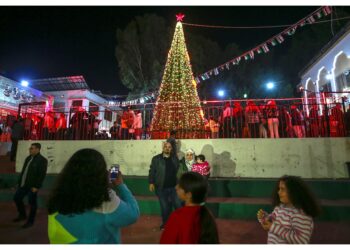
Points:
(278, 118)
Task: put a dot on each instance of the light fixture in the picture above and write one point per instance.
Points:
(221, 93)
(270, 85)
(24, 83)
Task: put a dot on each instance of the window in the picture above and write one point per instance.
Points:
(77, 103)
(93, 108)
(343, 80)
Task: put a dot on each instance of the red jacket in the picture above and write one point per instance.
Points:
(183, 226)
(201, 168)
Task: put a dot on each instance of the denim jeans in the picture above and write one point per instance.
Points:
(32, 200)
(167, 199)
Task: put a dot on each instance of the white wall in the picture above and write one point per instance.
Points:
(309, 158)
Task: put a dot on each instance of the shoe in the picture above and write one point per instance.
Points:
(161, 228)
(28, 224)
(19, 218)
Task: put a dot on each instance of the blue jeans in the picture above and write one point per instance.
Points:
(167, 199)
(32, 200)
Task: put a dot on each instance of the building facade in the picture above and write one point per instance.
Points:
(326, 79)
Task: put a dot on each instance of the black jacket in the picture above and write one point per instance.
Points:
(36, 172)
(157, 170)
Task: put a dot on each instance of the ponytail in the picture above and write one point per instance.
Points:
(209, 232)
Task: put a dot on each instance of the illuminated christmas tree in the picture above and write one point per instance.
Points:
(178, 106)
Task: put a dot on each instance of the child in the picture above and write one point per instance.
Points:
(291, 222)
(193, 223)
(214, 128)
(202, 166)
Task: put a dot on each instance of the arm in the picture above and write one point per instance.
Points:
(171, 230)
(152, 172)
(299, 233)
(128, 210)
(41, 173)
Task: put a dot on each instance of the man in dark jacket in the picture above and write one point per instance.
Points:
(162, 180)
(29, 182)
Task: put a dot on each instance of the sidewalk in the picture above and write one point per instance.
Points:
(146, 230)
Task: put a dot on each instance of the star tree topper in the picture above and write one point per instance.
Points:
(180, 17)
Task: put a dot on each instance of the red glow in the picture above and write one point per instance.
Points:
(180, 17)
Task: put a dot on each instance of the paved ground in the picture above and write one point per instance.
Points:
(145, 230)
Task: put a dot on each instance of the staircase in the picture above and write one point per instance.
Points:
(228, 198)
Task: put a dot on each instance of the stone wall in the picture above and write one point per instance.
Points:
(256, 158)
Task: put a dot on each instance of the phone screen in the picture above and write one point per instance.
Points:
(114, 171)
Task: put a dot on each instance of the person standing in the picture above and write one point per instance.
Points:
(227, 120)
(295, 207)
(29, 182)
(272, 119)
(17, 133)
(114, 131)
(186, 163)
(137, 125)
(83, 208)
(252, 114)
(193, 223)
(61, 126)
(172, 141)
(297, 121)
(162, 180)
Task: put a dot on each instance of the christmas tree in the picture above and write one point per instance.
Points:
(178, 106)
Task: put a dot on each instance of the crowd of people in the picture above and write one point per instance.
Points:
(267, 120)
(275, 121)
(83, 207)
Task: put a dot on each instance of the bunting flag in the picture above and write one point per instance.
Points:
(251, 54)
(236, 61)
(265, 48)
(216, 71)
(327, 10)
(274, 41)
(319, 15)
(311, 20)
(292, 31)
(280, 38)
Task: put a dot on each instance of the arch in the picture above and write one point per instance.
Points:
(341, 63)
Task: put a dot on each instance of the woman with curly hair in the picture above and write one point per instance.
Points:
(291, 221)
(82, 207)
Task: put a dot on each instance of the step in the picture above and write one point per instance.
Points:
(221, 207)
(328, 189)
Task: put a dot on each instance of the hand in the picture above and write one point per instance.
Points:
(266, 225)
(151, 187)
(34, 190)
(118, 180)
(261, 214)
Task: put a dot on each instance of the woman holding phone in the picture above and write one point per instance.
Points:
(83, 209)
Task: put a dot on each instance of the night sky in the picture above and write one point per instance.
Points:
(42, 42)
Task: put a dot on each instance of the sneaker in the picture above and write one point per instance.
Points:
(19, 218)
(28, 224)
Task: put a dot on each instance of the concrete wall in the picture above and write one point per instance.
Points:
(263, 158)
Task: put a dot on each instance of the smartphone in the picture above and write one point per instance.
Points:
(114, 172)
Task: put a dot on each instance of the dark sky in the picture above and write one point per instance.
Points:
(41, 42)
